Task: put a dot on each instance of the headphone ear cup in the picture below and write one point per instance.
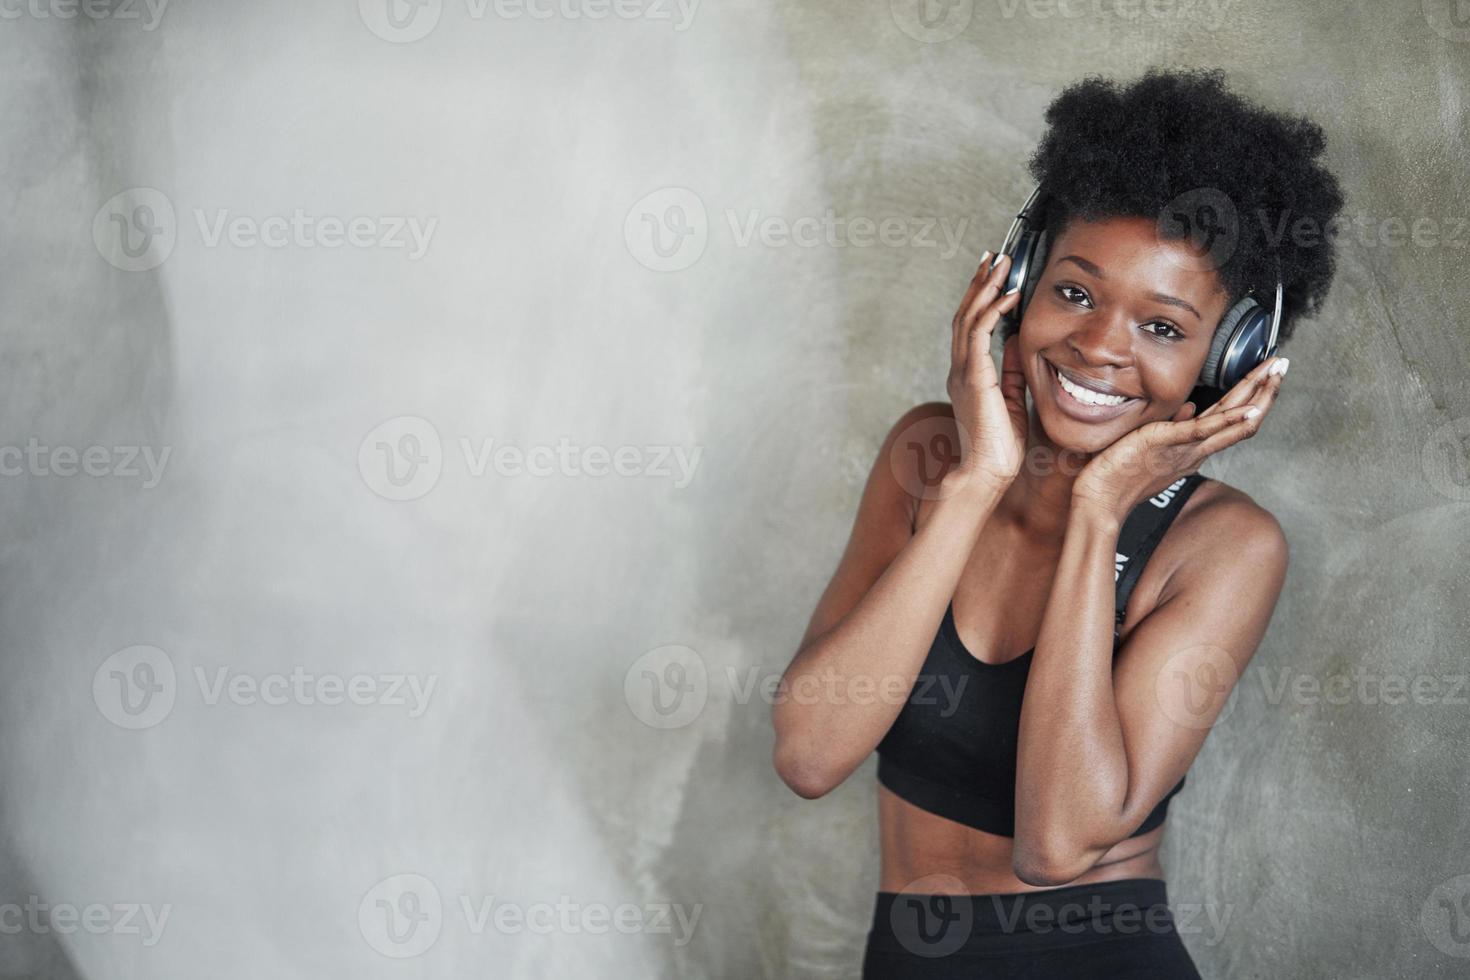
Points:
(1210, 374)
(1027, 260)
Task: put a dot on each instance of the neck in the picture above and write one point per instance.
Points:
(1039, 500)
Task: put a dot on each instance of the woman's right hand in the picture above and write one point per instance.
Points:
(989, 411)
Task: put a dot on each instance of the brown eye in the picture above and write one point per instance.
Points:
(1176, 335)
(1066, 293)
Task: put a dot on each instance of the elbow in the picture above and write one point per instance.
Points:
(807, 778)
(1048, 865)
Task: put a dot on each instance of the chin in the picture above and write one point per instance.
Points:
(1082, 438)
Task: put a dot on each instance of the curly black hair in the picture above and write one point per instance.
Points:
(1240, 182)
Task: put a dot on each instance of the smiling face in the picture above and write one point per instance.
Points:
(1117, 330)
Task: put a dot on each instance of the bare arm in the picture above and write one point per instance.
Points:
(873, 626)
(869, 634)
(1102, 741)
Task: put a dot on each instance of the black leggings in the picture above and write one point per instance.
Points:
(1115, 929)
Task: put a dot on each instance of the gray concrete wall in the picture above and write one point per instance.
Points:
(324, 503)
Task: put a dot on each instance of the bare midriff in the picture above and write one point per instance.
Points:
(917, 844)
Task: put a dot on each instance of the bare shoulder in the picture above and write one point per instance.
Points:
(1221, 514)
(1222, 529)
(1223, 551)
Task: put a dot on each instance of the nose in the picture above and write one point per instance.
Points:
(1103, 341)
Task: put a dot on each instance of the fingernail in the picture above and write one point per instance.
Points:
(1252, 412)
(1285, 363)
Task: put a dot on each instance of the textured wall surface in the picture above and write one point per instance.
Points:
(427, 429)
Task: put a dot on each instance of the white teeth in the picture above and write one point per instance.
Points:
(1086, 395)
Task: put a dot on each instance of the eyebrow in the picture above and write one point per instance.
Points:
(1164, 298)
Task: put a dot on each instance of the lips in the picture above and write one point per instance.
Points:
(1082, 411)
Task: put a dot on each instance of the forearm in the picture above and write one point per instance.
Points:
(1072, 765)
(844, 688)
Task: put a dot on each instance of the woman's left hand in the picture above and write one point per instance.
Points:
(1156, 454)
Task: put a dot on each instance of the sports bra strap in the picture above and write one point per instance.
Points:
(1140, 535)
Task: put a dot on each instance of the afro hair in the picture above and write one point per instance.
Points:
(1239, 182)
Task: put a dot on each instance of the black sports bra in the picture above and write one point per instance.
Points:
(952, 748)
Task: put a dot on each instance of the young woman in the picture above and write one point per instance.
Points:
(1045, 609)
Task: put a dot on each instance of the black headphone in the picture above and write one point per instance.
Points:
(1245, 336)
